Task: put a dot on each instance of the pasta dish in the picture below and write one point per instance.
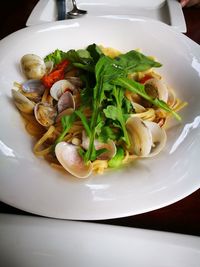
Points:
(95, 108)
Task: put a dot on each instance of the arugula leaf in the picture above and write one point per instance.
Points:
(98, 152)
(116, 112)
(100, 124)
(81, 152)
(95, 52)
(134, 61)
(80, 56)
(94, 155)
(83, 54)
(111, 112)
(86, 96)
(127, 106)
(124, 64)
(161, 104)
(107, 133)
(116, 161)
(98, 97)
(67, 122)
(80, 59)
(56, 57)
(89, 82)
(84, 121)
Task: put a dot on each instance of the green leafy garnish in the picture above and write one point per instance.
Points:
(134, 61)
(107, 133)
(67, 122)
(115, 112)
(105, 81)
(95, 52)
(56, 57)
(116, 161)
(84, 121)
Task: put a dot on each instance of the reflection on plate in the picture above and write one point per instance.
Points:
(167, 11)
(34, 241)
(29, 183)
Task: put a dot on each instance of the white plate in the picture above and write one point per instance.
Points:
(29, 183)
(35, 242)
(168, 11)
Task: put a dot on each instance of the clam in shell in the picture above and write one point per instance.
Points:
(157, 88)
(159, 138)
(68, 156)
(140, 137)
(147, 138)
(45, 114)
(33, 86)
(33, 89)
(22, 102)
(66, 101)
(59, 87)
(33, 66)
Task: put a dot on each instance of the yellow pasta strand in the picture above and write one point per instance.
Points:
(38, 150)
(149, 114)
(99, 166)
(128, 157)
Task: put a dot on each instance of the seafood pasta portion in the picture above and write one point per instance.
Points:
(94, 108)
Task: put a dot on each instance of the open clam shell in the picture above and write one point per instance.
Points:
(45, 114)
(66, 101)
(157, 88)
(59, 87)
(33, 86)
(147, 138)
(111, 150)
(159, 138)
(68, 156)
(140, 136)
(22, 102)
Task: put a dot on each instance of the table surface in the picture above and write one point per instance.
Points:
(181, 217)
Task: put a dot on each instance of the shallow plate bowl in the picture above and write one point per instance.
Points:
(29, 183)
